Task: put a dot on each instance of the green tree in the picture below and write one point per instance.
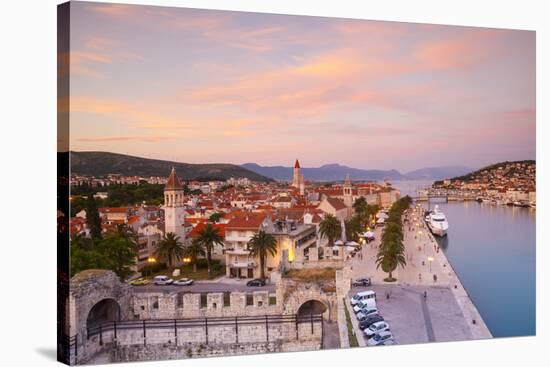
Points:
(215, 217)
(391, 251)
(84, 255)
(330, 228)
(121, 252)
(353, 228)
(388, 258)
(93, 220)
(360, 204)
(78, 203)
(208, 237)
(193, 251)
(260, 245)
(170, 249)
(115, 252)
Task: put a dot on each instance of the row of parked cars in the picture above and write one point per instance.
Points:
(163, 280)
(375, 328)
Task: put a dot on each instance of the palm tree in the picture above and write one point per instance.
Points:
(389, 257)
(208, 237)
(193, 251)
(170, 249)
(330, 228)
(260, 245)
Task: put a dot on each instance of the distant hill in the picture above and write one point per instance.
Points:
(104, 163)
(438, 173)
(328, 172)
(472, 174)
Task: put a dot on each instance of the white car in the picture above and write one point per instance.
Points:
(183, 281)
(376, 328)
(366, 312)
(366, 303)
(380, 338)
(162, 280)
(361, 296)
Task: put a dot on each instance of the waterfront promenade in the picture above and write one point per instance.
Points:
(427, 270)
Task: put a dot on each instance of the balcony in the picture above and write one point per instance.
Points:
(237, 251)
(242, 265)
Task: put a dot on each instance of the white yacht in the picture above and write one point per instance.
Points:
(438, 222)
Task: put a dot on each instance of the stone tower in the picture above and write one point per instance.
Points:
(174, 211)
(296, 177)
(348, 194)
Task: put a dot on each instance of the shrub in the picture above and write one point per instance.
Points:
(148, 269)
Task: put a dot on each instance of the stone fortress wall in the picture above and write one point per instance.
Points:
(100, 293)
(160, 305)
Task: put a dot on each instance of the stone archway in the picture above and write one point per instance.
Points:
(312, 307)
(103, 311)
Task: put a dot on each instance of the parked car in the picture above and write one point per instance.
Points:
(389, 342)
(183, 281)
(362, 296)
(366, 303)
(361, 282)
(376, 328)
(256, 283)
(380, 338)
(139, 281)
(363, 314)
(369, 321)
(162, 280)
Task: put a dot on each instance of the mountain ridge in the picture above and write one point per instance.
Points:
(96, 163)
(337, 172)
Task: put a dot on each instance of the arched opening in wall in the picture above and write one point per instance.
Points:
(331, 333)
(104, 311)
(312, 307)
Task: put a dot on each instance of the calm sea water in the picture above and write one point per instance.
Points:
(492, 249)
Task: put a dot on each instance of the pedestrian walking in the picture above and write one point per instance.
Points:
(425, 294)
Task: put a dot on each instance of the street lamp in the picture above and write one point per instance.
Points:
(430, 259)
(150, 260)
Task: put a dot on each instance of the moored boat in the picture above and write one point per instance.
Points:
(437, 222)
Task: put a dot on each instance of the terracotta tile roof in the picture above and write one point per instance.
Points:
(336, 203)
(316, 219)
(247, 221)
(173, 182)
(133, 219)
(199, 227)
(113, 210)
(194, 220)
(282, 199)
(297, 164)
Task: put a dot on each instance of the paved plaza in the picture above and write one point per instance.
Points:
(415, 319)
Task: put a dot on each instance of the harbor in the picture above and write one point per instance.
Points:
(428, 293)
(491, 248)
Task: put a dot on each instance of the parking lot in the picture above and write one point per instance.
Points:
(415, 319)
(205, 287)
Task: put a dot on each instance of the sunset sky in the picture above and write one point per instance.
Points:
(212, 86)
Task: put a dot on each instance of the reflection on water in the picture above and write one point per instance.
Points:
(443, 241)
(492, 249)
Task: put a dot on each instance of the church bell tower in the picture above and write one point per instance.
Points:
(174, 209)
